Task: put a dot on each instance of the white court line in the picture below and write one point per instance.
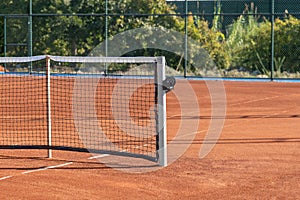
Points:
(46, 168)
(6, 177)
(255, 100)
(98, 156)
(37, 170)
(103, 155)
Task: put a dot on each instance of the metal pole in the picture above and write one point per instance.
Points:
(185, 38)
(106, 33)
(272, 39)
(161, 129)
(5, 41)
(49, 127)
(30, 35)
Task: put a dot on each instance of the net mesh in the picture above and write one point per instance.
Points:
(98, 107)
(23, 108)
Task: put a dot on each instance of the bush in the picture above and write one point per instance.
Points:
(250, 47)
(287, 43)
(238, 41)
(211, 40)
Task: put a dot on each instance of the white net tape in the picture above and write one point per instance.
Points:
(80, 59)
(21, 59)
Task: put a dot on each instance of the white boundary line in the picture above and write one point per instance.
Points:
(98, 156)
(5, 177)
(45, 168)
(37, 170)
(56, 166)
(254, 100)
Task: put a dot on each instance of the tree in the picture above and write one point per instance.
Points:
(252, 49)
(75, 27)
(1, 37)
(17, 26)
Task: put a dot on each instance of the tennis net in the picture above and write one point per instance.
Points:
(111, 105)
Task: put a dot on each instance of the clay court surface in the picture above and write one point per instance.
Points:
(256, 156)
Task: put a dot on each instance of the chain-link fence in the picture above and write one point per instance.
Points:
(257, 39)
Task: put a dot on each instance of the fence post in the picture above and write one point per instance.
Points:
(5, 41)
(185, 38)
(272, 39)
(106, 35)
(30, 35)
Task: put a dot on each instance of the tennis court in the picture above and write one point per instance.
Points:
(256, 156)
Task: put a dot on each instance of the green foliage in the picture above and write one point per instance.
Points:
(79, 34)
(16, 32)
(238, 41)
(287, 43)
(140, 9)
(216, 23)
(14, 6)
(249, 43)
(67, 35)
(213, 41)
(1, 37)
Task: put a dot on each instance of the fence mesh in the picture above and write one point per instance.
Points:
(257, 38)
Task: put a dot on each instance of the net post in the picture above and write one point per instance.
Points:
(161, 129)
(48, 85)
